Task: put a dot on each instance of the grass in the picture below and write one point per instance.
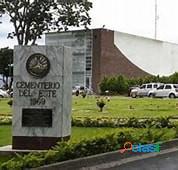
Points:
(79, 133)
(125, 107)
(4, 107)
(117, 107)
(5, 135)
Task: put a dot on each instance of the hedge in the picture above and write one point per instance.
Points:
(5, 120)
(133, 122)
(66, 150)
(120, 84)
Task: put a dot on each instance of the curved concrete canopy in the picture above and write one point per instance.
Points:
(153, 56)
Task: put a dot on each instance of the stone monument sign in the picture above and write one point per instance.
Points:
(42, 96)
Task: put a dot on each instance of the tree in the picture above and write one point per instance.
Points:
(32, 18)
(6, 60)
(174, 78)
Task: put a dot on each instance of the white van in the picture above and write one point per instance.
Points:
(145, 90)
(167, 90)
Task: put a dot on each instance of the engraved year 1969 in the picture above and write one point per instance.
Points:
(37, 101)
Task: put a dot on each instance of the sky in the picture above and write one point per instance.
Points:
(130, 16)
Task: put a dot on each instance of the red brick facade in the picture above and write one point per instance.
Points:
(108, 60)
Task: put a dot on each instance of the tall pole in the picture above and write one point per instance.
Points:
(156, 18)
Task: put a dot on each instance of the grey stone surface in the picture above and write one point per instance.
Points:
(7, 150)
(61, 72)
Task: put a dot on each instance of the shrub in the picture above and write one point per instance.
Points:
(176, 129)
(115, 85)
(163, 122)
(5, 120)
(83, 94)
(120, 84)
(100, 103)
(150, 136)
(123, 122)
(10, 102)
(66, 150)
(112, 122)
(133, 122)
(12, 164)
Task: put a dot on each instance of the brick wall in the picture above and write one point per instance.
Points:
(108, 59)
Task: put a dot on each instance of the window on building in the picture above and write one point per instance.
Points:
(87, 82)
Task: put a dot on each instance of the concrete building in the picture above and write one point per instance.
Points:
(101, 52)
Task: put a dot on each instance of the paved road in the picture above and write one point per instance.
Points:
(167, 161)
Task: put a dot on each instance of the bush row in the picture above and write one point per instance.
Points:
(7, 114)
(5, 120)
(120, 84)
(66, 150)
(133, 122)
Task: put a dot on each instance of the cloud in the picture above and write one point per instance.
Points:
(134, 17)
(7, 27)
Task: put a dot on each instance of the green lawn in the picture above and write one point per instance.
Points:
(4, 107)
(117, 107)
(125, 107)
(79, 133)
(5, 135)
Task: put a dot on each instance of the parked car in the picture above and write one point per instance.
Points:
(3, 93)
(144, 90)
(167, 90)
(131, 88)
(74, 89)
(82, 89)
(10, 92)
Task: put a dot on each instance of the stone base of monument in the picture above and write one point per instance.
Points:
(36, 143)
